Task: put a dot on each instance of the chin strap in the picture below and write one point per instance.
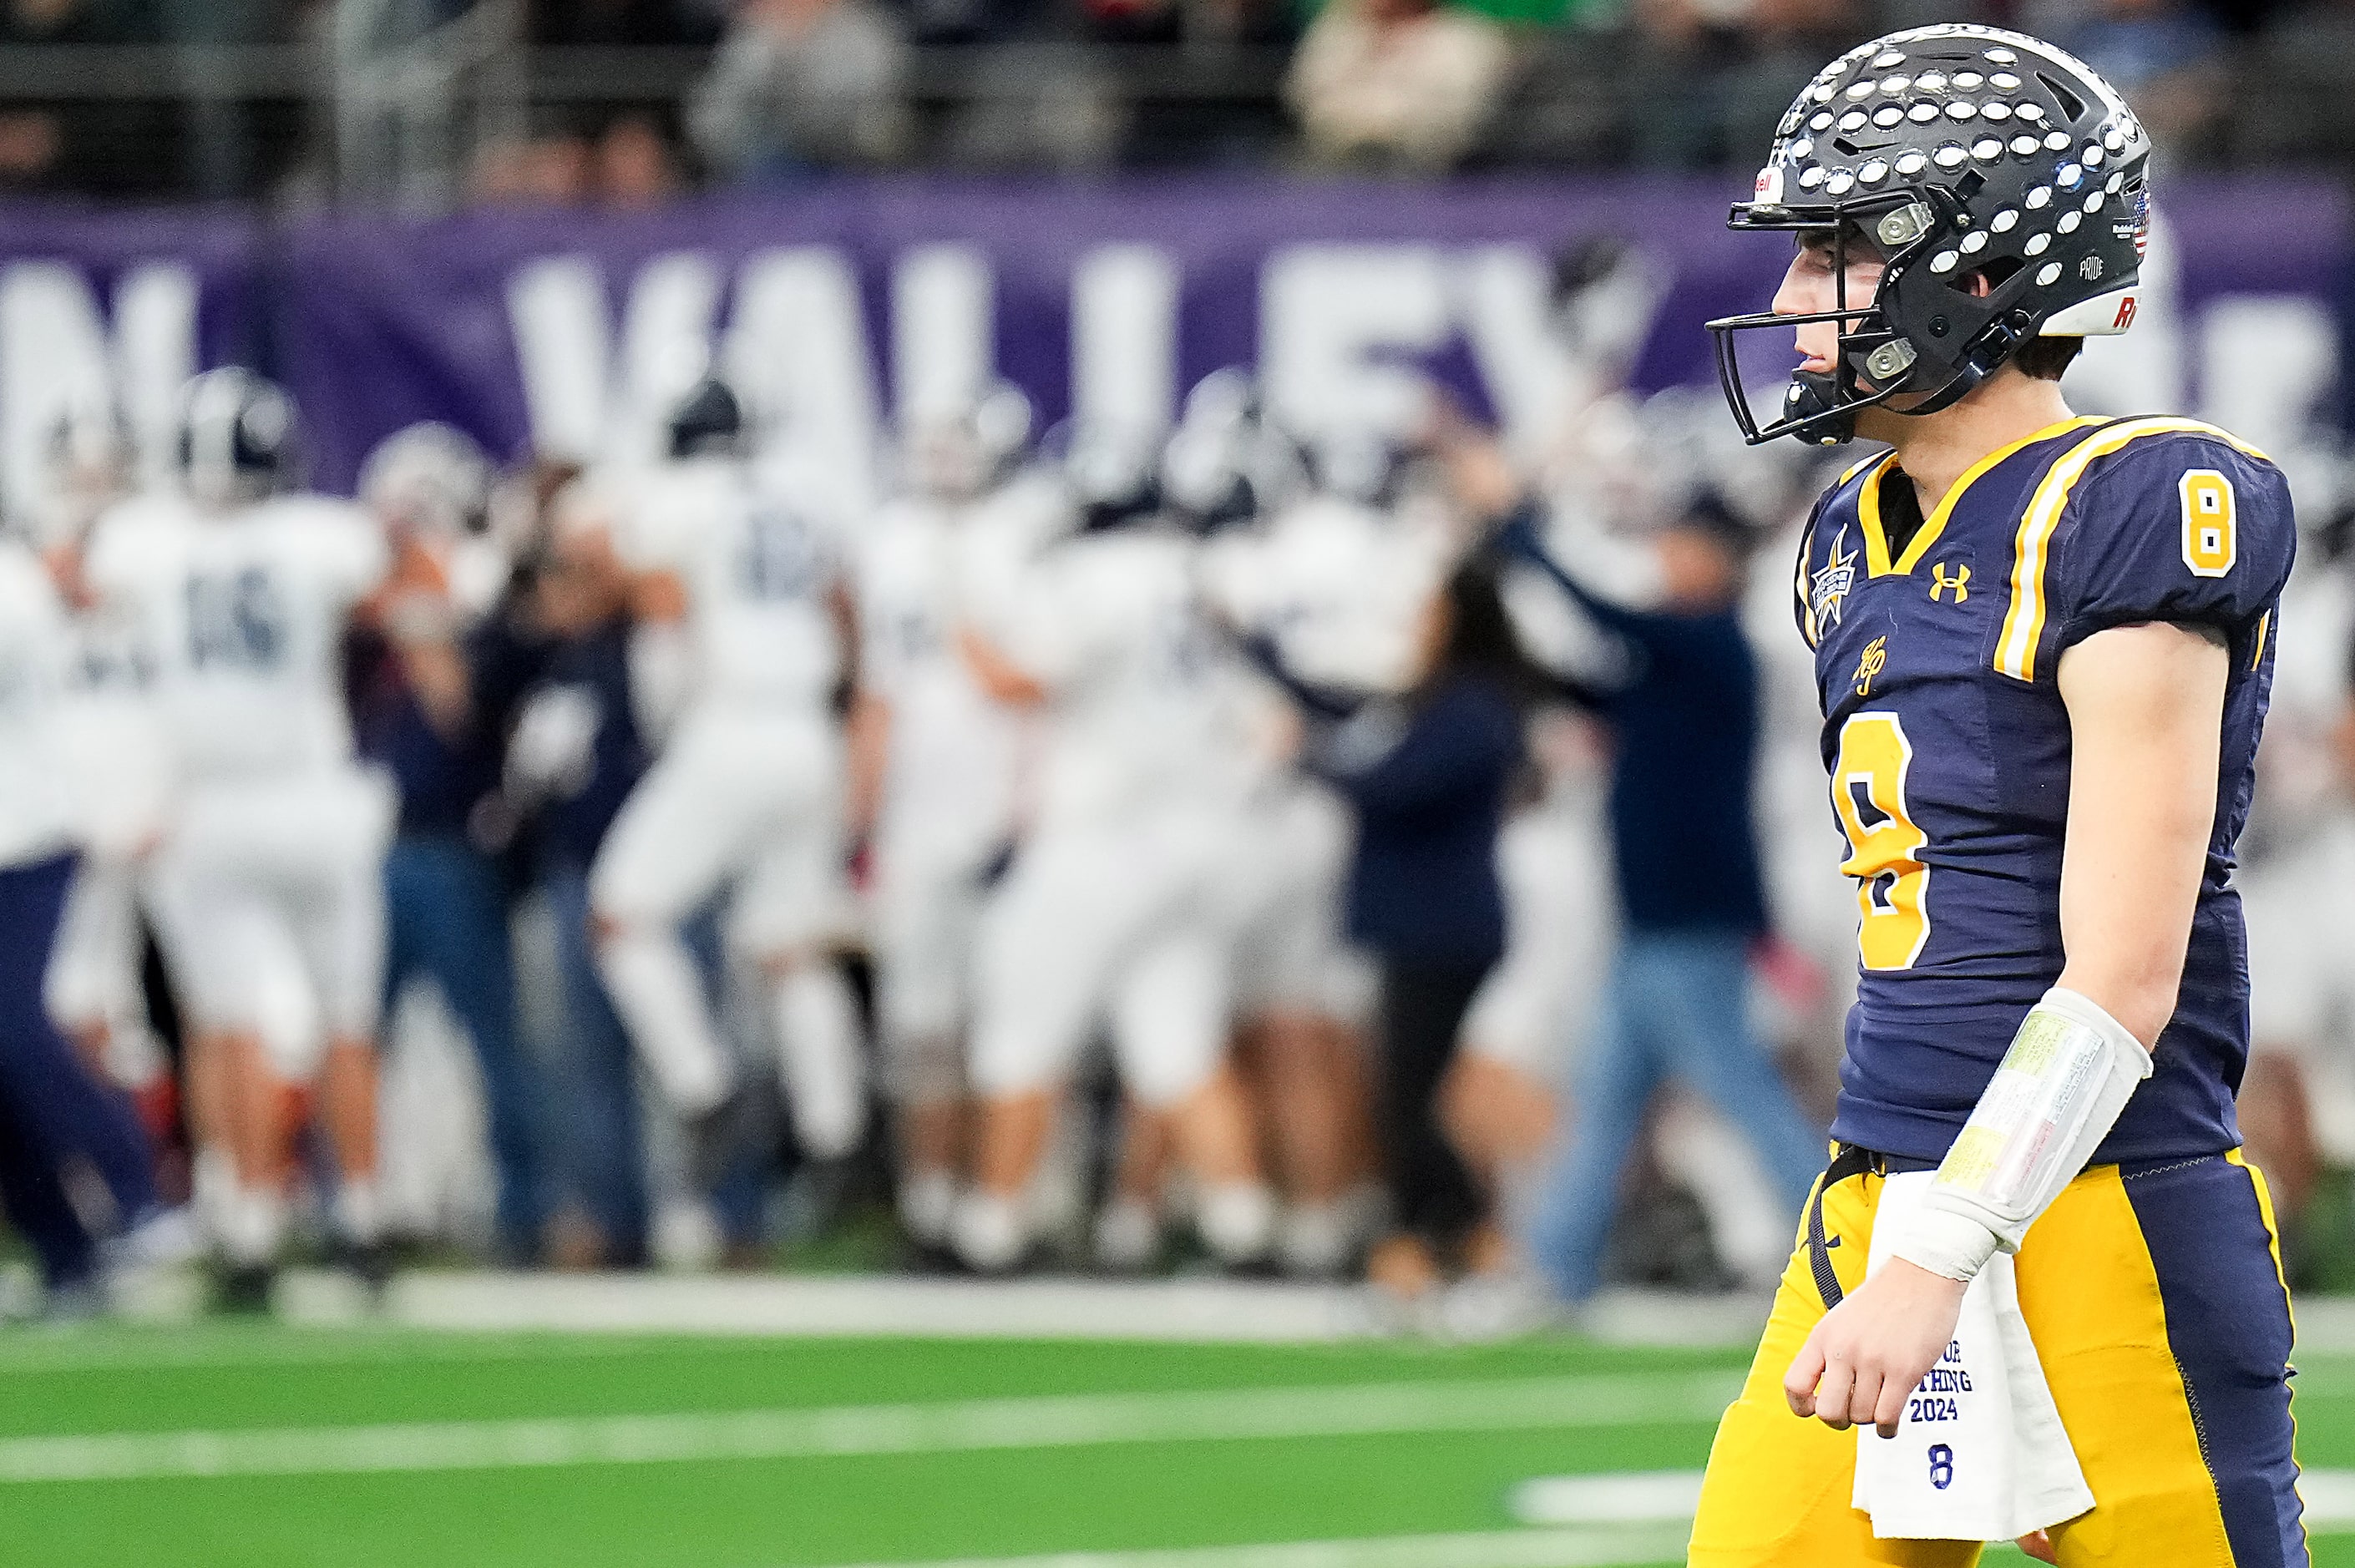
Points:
(1813, 394)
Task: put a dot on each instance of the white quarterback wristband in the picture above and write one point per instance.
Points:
(2054, 1097)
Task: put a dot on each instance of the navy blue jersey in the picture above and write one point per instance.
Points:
(1948, 749)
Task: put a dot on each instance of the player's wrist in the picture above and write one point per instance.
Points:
(1951, 1245)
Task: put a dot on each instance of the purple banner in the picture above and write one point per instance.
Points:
(847, 307)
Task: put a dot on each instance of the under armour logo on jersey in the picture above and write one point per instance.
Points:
(1941, 584)
(1875, 660)
(1831, 586)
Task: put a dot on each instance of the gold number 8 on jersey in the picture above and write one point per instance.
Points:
(1892, 887)
(2207, 543)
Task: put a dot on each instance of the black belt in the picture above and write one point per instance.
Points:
(1852, 1160)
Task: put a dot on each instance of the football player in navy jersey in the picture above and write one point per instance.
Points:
(2043, 645)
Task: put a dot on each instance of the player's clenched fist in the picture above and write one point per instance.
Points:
(1875, 1348)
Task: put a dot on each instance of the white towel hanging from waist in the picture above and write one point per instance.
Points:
(1980, 1453)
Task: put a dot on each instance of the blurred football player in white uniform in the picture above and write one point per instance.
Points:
(267, 890)
(2296, 1103)
(1118, 908)
(1337, 582)
(948, 765)
(121, 771)
(744, 621)
(74, 1165)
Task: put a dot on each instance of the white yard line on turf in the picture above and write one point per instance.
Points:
(1068, 1421)
(1200, 1311)
(1175, 1310)
(100, 1348)
(1622, 1498)
(1620, 1548)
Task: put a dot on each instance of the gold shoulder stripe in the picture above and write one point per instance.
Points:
(1868, 517)
(2023, 622)
(1936, 523)
(1857, 467)
(1806, 603)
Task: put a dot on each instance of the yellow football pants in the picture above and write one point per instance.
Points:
(2156, 1303)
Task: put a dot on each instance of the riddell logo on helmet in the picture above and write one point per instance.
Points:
(2125, 314)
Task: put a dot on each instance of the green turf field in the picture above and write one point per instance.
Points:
(260, 1446)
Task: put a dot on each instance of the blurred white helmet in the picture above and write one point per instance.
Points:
(961, 455)
(239, 438)
(1107, 471)
(1228, 461)
(88, 469)
(430, 477)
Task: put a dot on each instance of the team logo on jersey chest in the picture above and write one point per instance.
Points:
(1827, 589)
(1868, 668)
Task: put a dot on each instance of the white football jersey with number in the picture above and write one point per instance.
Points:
(116, 752)
(1148, 705)
(1339, 586)
(949, 782)
(758, 559)
(244, 614)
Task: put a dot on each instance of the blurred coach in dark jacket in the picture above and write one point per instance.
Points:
(1428, 776)
(1690, 898)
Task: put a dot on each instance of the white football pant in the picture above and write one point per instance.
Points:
(752, 801)
(269, 901)
(1130, 921)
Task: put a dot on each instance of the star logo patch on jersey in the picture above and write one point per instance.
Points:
(1828, 589)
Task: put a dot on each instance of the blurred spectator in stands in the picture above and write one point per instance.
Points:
(1706, 79)
(639, 24)
(221, 143)
(636, 167)
(1396, 85)
(30, 142)
(89, 147)
(1203, 23)
(554, 170)
(572, 758)
(2166, 56)
(802, 86)
(31, 138)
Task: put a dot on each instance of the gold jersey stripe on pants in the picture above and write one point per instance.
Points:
(2156, 1300)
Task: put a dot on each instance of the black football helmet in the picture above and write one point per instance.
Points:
(1956, 152)
(237, 437)
(707, 422)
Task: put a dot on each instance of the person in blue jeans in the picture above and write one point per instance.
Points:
(54, 1118)
(432, 706)
(572, 756)
(1690, 896)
